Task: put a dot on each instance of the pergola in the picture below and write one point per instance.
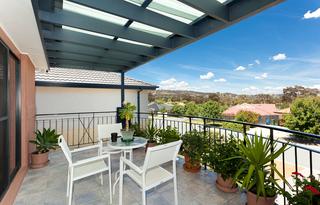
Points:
(119, 35)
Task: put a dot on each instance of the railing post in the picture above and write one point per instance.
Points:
(93, 126)
(244, 133)
(205, 135)
(272, 150)
(163, 123)
(190, 125)
(152, 118)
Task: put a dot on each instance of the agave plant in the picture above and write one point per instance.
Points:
(255, 173)
(126, 113)
(151, 133)
(46, 140)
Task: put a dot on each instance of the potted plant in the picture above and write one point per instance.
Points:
(306, 191)
(138, 130)
(225, 169)
(168, 134)
(255, 174)
(44, 142)
(126, 113)
(151, 134)
(193, 150)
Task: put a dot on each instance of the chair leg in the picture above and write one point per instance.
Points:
(121, 183)
(130, 155)
(144, 201)
(101, 178)
(175, 190)
(110, 185)
(68, 183)
(70, 192)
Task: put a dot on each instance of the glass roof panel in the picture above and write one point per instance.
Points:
(136, 2)
(176, 10)
(87, 32)
(150, 29)
(134, 42)
(77, 8)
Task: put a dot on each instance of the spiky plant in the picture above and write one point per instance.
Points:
(46, 140)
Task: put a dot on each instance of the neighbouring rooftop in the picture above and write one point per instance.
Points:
(261, 109)
(87, 78)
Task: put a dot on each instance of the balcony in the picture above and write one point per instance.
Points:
(48, 186)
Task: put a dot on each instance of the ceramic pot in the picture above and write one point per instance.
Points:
(252, 199)
(227, 185)
(39, 160)
(191, 167)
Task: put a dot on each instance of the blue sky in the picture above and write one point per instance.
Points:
(262, 54)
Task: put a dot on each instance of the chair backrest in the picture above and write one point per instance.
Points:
(161, 154)
(64, 146)
(105, 130)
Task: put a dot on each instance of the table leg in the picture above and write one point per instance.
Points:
(117, 174)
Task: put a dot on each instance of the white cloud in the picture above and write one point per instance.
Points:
(252, 90)
(240, 68)
(312, 14)
(220, 80)
(250, 64)
(257, 62)
(316, 86)
(261, 77)
(207, 76)
(279, 57)
(173, 84)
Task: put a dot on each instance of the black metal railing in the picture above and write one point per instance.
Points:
(81, 128)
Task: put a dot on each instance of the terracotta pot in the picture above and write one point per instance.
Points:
(191, 167)
(39, 160)
(227, 185)
(252, 199)
(150, 144)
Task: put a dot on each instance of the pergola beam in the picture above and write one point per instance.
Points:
(92, 51)
(84, 64)
(93, 59)
(96, 41)
(67, 18)
(212, 8)
(139, 14)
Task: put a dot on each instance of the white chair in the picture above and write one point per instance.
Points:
(84, 168)
(151, 174)
(104, 133)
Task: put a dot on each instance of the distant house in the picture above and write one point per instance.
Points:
(268, 113)
(156, 107)
(74, 90)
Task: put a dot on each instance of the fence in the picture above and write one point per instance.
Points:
(81, 129)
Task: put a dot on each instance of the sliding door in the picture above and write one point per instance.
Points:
(10, 137)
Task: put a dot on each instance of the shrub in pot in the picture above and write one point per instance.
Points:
(126, 113)
(255, 174)
(193, 150)
(44, 142)
(305, 192)
(151, 134)
(168, 134)
(226, 169)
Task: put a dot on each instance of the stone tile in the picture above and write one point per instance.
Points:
(47, 186)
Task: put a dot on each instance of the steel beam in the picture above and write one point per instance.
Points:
(93, 51)
(95, 41)
(93, 59)
(139, 14)
(72, 19)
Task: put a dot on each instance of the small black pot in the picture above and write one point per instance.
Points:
(114, 137)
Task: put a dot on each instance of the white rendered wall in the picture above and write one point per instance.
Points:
(68, 100)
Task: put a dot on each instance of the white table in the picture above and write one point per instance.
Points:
(126, 146)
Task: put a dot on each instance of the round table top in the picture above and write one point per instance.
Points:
(136, 143)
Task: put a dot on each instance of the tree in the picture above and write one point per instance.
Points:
(291, 93)
(247, 116)
(211, 109)
(178, 109)
(305, 115)
(192, 109)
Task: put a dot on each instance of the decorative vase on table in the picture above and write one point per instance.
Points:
(127, 135)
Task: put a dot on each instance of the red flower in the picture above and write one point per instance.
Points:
(297, 174)
(312, 189)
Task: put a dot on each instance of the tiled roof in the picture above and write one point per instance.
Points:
(78, 77)
(261, 109)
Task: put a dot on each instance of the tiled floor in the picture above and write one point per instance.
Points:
(48, 186)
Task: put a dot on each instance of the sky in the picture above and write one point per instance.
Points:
(276, 48)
